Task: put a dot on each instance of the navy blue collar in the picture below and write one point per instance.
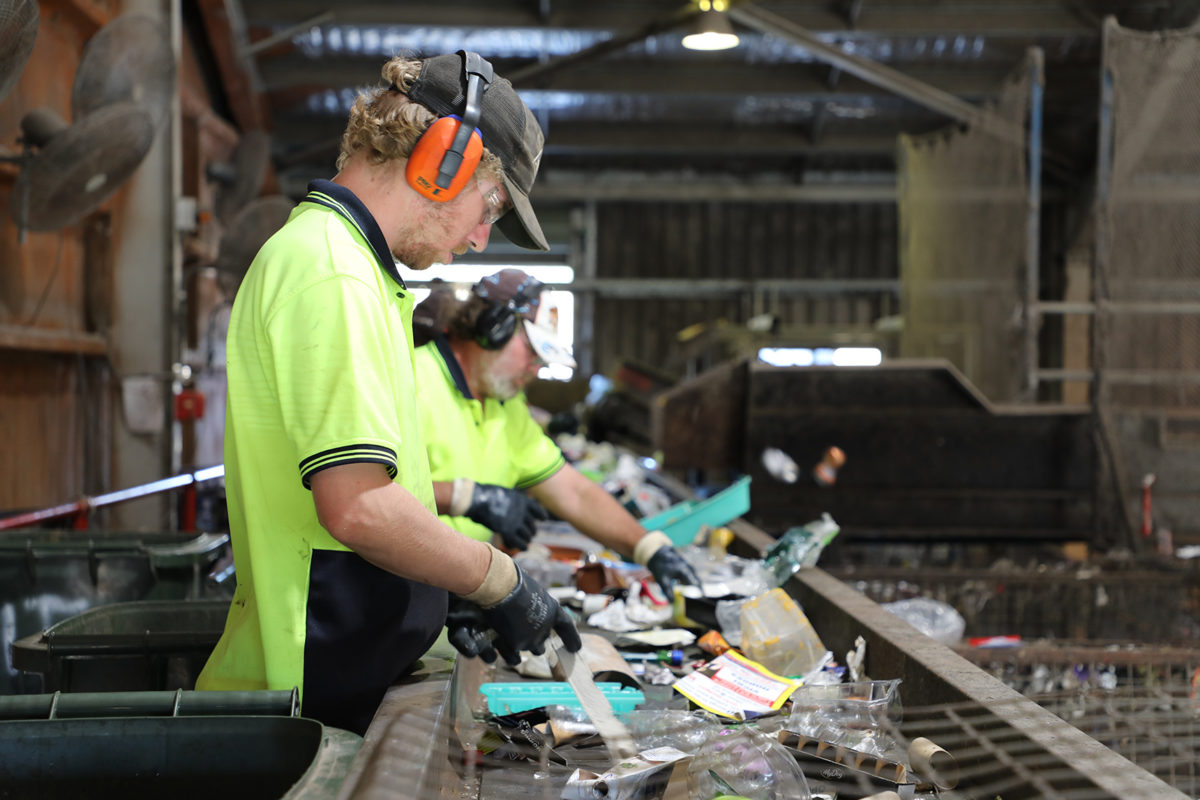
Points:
(460, 380)
(340, 199)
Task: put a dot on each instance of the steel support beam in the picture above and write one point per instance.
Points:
(668, 190)
(227, 35)
(1033, 213)
(640, 289)
(722, 287)
(921, 93)
(1021, 19)
(643, 139)
(533, 74)
(649, 77)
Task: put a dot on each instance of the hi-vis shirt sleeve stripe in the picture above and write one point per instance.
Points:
(538, 477)
(350, 454)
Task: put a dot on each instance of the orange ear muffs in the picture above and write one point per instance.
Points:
(433, 155)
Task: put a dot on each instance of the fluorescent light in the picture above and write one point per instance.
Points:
(857, 357)
(710, 31)
(786, 356)
(821, 356)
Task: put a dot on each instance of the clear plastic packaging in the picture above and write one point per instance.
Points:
(861, 715)
(684, 730)
(777, 634)
(748, 761)
(935, 619)
(729, 619)
(731, 574)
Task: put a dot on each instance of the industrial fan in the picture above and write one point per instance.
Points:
(18, 30)
(76, 167)
(246, 234)
(120, 95)
(129, 59)
(239, 183)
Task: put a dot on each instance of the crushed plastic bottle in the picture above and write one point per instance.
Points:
(780, 465)
(799, 547)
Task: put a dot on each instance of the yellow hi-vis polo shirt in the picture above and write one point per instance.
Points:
(320, 374)
(489, 441)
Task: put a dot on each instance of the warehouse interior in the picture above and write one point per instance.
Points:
(957, 243)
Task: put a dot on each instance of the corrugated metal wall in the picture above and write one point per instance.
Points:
(815, 265)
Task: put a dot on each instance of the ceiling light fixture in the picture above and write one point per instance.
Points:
(711, 30)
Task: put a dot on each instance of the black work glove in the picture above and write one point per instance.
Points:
(522, 621)
(669, 568)
(467, 630)
(509, 512)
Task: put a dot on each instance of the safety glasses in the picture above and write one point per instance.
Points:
(495, 205)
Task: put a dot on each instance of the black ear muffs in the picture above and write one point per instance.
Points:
(497, 322)
(445, 157)
(496, 325)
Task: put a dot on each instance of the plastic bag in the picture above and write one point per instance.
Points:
(937, 620)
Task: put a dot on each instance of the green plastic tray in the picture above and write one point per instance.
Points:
(682, 521)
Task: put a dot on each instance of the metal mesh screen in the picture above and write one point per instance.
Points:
(1148, 265)
(963, 214)
(1141, 701)
(1056, 601)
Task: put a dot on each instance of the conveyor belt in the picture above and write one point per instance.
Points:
(1006, 745)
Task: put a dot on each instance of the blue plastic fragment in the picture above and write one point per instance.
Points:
(509, 698)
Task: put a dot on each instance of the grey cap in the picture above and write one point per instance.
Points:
(508, 128)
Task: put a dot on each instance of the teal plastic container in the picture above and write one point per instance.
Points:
(681, 522)
(509, 698)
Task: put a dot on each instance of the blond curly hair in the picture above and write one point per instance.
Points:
(387, 124)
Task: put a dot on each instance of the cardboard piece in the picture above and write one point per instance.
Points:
(596, 577)
(605, 662)
(928, 759)
(867, 763)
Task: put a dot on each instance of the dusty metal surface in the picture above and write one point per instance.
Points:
(998, 727)
(407, 750)
(1123, 654)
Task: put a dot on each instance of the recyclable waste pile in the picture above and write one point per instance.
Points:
(725, 690)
